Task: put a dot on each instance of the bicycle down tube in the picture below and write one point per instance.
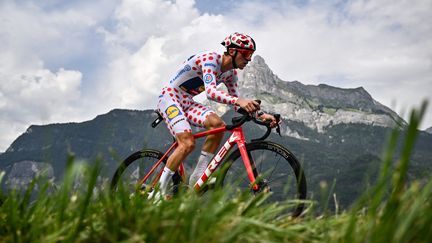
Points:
(237, 137)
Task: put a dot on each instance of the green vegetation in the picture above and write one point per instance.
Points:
(391, 210)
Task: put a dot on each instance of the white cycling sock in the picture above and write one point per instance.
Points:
(164, 180)
(203, 162)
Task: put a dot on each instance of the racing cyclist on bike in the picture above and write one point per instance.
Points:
(202, 73)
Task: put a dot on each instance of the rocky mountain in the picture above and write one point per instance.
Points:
(22, 173)
(337, 134)
(318, 107)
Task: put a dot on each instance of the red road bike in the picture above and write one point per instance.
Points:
(257, 166)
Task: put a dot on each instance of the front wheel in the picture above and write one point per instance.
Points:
(276, 169)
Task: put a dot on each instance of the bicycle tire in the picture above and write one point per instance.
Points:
(142, 161)
(257, 152)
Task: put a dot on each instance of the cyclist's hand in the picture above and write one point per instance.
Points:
(268, 117)
(248, 105)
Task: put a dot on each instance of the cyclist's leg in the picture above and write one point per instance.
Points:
(174, 116)
(202, 116)
(213, 141)
(186, 144)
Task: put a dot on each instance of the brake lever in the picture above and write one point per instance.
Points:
(277, 117)
(278, 130)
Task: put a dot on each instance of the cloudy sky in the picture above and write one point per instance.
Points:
(63, 61)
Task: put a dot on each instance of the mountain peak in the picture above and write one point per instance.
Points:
(259, 60)
(317, 106)
(259, 65)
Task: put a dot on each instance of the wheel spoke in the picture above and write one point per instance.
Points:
(239, 174)
(276, 178)
(277, 163)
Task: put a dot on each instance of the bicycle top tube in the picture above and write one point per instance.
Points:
(210, 132)
(238, 122)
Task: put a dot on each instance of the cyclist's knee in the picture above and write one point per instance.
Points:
(186, 142)
(189, 145)
(213, 121)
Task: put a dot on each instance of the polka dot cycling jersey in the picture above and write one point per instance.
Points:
(200, 73)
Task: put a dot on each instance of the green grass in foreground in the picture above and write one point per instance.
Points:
(391, 211)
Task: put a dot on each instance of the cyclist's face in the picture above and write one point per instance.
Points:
(240, 58)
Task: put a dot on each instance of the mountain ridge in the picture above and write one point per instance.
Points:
(318, 106)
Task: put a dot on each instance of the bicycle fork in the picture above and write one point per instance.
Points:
(236, 137)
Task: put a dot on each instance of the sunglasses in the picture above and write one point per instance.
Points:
(246, 53)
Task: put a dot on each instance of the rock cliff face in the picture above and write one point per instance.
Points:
(23, 173)
(316, 106)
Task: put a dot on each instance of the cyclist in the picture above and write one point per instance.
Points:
(202, 73)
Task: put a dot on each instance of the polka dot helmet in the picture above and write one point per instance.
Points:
(238, 40)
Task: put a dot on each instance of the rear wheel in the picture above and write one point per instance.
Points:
(134, 168)
(276, 169)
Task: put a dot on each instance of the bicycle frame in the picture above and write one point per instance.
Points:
(237, 137)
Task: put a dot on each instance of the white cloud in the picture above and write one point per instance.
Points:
(28, 30)
(36, 97)
(138, 20)
(30, 93)
(147, 47)
(133, 80)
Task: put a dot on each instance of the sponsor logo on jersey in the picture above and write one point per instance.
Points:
(172, 112)
(208, 78)
(209, 65)
(186, 68)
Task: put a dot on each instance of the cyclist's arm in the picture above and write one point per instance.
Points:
(232, 86)
(209, 78)
(247, 104)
